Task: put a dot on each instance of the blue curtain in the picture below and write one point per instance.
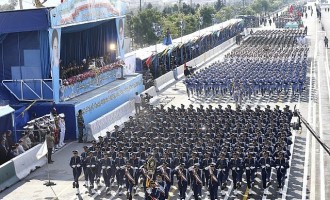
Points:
(91, 42)
(44, 53)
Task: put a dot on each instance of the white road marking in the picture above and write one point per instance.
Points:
(308, 136)
(229, 191)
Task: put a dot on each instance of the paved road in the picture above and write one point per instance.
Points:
(308, 177)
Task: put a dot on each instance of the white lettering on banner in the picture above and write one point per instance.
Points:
(27, 162)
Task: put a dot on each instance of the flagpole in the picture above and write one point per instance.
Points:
(49, 183)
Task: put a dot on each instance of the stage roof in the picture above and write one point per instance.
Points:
(146, 52)
(24, 20)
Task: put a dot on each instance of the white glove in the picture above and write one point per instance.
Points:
(237, 168)
(93, 165)
(247, 168)
(108, 167)
(252, 167)
(88, 166)
(233, 168)
(117, 168)
(282, 167)
(223, 169)
(277, 167)
(73, 166)
(267, 165)
(103, 167)
(78, 165)
(262, 167)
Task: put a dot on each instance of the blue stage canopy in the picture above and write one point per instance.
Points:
(24, 20)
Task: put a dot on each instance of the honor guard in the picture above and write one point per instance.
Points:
(107, 165)
(205, 163)
(196, 175)
(75, 164)
(182, 177)
(98, 155)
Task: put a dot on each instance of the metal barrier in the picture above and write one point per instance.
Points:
(8, 175)
(30, 89)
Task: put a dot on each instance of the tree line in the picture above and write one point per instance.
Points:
(139, 25)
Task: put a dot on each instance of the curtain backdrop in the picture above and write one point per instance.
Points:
(44, 54)
(91, 42)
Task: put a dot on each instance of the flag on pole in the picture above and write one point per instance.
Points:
(42, 151)
(149, 60)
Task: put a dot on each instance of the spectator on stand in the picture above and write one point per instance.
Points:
(20, 147)
(26, 141)
(9, 138)
(62, 127)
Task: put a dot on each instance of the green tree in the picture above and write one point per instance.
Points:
(206, 12)
(218, 5)
(142, 26)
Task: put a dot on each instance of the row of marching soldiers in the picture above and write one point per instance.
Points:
(208, 172)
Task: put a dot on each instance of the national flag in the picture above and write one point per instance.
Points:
(149, 60)
(42, 151)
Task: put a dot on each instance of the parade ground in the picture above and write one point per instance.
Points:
(309, 172)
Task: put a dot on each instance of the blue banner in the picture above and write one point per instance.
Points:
(55, 47)
(121, 37)
(109, 100)
(76, 11)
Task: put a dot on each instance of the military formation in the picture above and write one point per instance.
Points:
(269, 62)
(191, 148)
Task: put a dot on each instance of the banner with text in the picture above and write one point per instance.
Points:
(76, 11)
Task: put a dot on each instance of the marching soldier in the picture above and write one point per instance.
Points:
(83, 161)
(223, 166)
(265, 163)
(98, 155)
(281, 165)
(120, 172)
(167, 177)
(236, 165)
(75, 164)
(107, 165)
(182, 177)
(130, 179)
(196, 175)
(91, 169)
(153, 192)
(250, 170)
(205, 163)
(161, 185)
(213, 182)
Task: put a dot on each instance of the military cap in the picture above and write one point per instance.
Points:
(75, 152)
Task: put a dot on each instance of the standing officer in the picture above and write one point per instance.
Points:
(182, 177)
(161, 185)
(75, 164)
(81, 125)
